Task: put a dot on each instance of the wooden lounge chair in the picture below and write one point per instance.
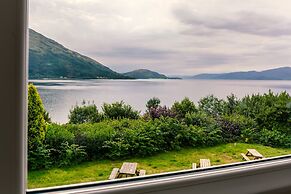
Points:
(114, 174)
(204, 163)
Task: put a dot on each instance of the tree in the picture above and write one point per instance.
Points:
(153, 103)
(184, 107)
(36, 119)
(119, 110)
(87, 113)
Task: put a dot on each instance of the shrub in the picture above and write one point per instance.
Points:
(120, 146)
(39, 158)
(132, 138)
(119, 110)
(231, 104)
(171, 130)
(153, 103)
(274, 138)
(36, 121)
(147, 140)
(270, 111)
(250, 135)
(197, 136)
(93, 136)
(57, 134)
(84, 114)
(212, 106)
(143, 138)
(214, 136)
(68, 154)
(233, 125)
(263, 119)
(160, 111)
(231, 130)
(199, 118)
(183, 107)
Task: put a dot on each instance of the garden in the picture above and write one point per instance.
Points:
(161, 139)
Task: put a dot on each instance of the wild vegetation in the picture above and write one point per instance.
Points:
(117, 131)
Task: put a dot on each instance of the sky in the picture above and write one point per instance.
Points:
(174, 37)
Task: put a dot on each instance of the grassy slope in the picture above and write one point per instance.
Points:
(164, 162)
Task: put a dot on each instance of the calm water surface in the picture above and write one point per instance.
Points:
(60, 95)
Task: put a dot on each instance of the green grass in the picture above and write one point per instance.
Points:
(164, 162)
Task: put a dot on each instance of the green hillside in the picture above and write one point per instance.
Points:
(51, 60)
(145, 74)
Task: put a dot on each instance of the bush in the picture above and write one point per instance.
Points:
(197, 136)
(171, 132)
(119, 110)
(212, 106)
(68, 154)
(233, 125)
(160, 111)
(183, 107)
(143, 138)
(231, 104)
(153, 103)
(132, 138)
(36, 121)
(57, 134)
(274, 138)
(199, 118)
(40, 158)
(270, 111)
(250, 135)
(120, 138)
(93, 136)
(120, 133)
(84, 114)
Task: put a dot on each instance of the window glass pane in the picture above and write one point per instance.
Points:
(131, 88)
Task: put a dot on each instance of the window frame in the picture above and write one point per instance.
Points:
(13, 79)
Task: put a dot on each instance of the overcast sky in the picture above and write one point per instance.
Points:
(175, 37)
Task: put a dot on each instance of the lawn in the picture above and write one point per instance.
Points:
(164, 162)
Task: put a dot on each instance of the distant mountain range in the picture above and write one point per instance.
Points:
(145, 74)
(51, 60)
(282, 73)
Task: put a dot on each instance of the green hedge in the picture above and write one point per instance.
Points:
(263, 119)
(126, 138)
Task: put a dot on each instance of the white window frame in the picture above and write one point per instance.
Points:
(264, 176)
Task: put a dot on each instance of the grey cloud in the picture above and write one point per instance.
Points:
(134, 52)
(170, 38)
(242, 22)
(209, 59)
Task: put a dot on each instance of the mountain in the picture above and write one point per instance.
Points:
(51, 60)
(282, 73)
(145, 74)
